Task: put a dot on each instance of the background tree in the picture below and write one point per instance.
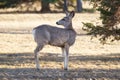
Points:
(45, 6)
(110, 16)
(65, 5)
(8, 3)
(79, 5)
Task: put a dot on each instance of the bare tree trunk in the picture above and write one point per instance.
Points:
(45, 6)
(79, 5)
(65, 5)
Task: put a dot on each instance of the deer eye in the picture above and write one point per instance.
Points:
(63, 19)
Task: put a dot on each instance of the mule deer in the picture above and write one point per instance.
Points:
(60, 37)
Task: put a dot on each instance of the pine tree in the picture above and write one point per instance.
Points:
(110, 16)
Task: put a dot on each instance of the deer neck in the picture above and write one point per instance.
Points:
(70, 26)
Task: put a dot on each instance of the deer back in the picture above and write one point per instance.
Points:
(46, 34)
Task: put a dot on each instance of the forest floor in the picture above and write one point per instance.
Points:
(89, 60)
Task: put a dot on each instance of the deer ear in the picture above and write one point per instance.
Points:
(67, 13)
(72, 14)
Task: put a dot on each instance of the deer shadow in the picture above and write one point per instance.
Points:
(53, 74)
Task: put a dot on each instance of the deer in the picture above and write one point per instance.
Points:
(55, 36)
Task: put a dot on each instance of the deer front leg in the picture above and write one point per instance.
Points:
(63, 51)
(66, 57)
(36, 52)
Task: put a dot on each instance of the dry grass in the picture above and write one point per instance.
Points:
(89, 59)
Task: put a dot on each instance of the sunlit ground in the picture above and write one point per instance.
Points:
(88, 58)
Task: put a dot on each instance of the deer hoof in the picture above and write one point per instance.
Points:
(66, 69)
(37, 69)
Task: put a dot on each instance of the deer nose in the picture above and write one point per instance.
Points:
(57, 23)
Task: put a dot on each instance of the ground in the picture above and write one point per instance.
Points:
(89, 60)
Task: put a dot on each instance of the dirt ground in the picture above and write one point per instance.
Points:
(89, 60)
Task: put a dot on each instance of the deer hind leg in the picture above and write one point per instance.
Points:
(36, 52)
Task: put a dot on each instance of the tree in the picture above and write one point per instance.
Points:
(65, 5)
(79, 5)
(45, 5)
(110, 16)
(8, 3)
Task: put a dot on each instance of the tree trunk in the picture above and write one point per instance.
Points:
(65, 5)
(45, 6)
(79, 5)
